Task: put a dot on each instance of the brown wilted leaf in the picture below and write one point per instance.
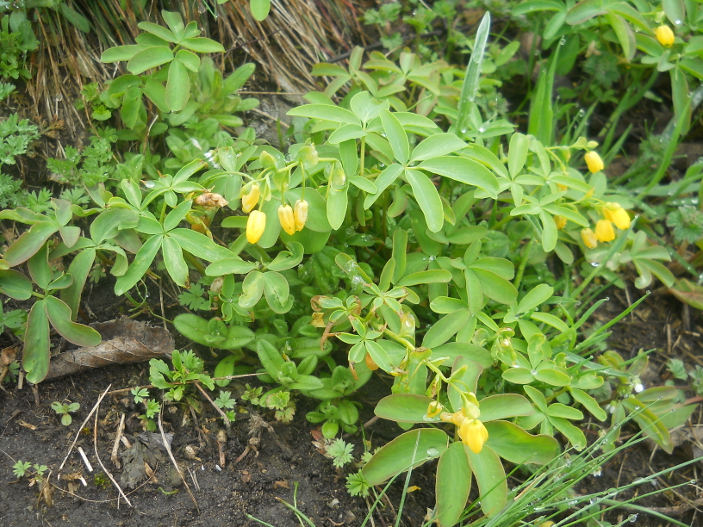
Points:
(124, 341)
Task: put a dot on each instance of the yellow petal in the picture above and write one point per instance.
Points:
(256, 224)
(604, 231)
(589, 238)
(594, 162)
(434, 409)
(560, 222)
(473, 434)
(665, 36)
(300, 214)
(621, 219)
(285, 216)
(251, 199)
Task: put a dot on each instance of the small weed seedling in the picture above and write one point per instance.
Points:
(64, 410)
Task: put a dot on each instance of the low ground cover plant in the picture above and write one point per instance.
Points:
(407, 228)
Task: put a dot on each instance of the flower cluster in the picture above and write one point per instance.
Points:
(292, 220)
(613, 213)
(471, 429)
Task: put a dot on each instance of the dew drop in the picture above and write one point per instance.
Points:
(632, 518)
(677, 22)
(432, 452)
(149, 184)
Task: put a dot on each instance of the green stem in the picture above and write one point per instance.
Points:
(399, 339)
(523, 263)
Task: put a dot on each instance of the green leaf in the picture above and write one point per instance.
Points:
(437, 145)
(535, 297)
(15, 285)
(409, 449)
(325, 112)
(35, 357)
(625, 35)
(29, 243)
(675, 11)
(260, 9)
(206, 45)
(177, 86)
(60, 316)
(496, 287)
(589, 403)
(140, 265)
(491, 479)
(174, 22)
(552, 376)
(572, 433)
(502, 406)
(382, 182)
(200, 245)
(453, 485)
(585, 10)
(428, 198)
(148, 58)
(79, 270)
(276, 289)
(174, 261)
(252, 289)
(445, 328)
(121, 53)
(472, 79)
(464, 170)
(404, 408)
(396, 136)
(189, 59)
(512, 443)
(158, 30)
(425, 277)
(270, 357)
(517, 154)
(337, 203)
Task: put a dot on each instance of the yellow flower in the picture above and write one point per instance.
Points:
(619, 216)
(300, 214)
(560, 222)
(604, 231)
(285, 216)
(250, 200)
(255, 226)
(473, 434)
(434, 409)
(593, 161)
(589, 238)
(665, 36)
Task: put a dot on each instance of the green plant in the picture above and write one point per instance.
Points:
(64, 410)
(187, 368)
(16, 39)
(95, 164)
(151, 409)
(341, 452)
(20, 468)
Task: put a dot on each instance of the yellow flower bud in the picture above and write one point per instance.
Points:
(473, 434)
(594, 162)
(619, 216)
(434, 409)
(301, 214)
(589, 238)
(255, 226)
(560, 222)
(285, 216)
(251, 200)
(604, 231)
(665, 36)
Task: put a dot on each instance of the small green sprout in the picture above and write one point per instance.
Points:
(340, 452)
(64, 410)
(20, 468)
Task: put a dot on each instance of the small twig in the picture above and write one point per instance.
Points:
(80, 429)
(105, 470)
(264, 114)
(116, 444)
(167, 446)
(85, 460)
(219, 410)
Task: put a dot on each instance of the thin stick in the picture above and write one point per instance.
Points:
(80, 429)
(178, 469)
(85, 460)
(105, 470)
(219, 410)
(116, 444)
